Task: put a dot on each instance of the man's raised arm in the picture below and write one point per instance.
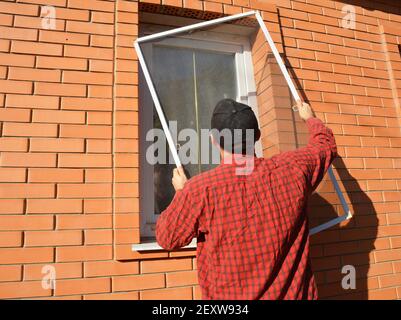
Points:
(321, 150)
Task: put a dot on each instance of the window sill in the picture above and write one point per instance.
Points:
(154, 246)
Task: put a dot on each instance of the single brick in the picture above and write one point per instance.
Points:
(54, 206)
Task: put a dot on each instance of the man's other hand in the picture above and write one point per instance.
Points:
(305, 110)
(179, 178)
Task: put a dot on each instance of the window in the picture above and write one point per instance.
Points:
(187, 74)
(191, 73)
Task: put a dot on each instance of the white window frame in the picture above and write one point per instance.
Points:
(160, 35)
(246, 89)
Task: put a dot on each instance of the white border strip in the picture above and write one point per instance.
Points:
(158, 107)
(347, 215)
(277, 56)
(330, 223)
(294, 92)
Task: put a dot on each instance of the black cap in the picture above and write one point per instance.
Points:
(234, 116)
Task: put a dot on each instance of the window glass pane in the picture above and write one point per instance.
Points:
(189, 83)
(173, 77)
(215, 80)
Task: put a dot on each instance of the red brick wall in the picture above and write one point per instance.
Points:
(69, 146)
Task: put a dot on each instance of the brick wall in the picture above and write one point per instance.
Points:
(69, 145)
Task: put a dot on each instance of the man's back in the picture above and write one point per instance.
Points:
(256, 244)
(252, 229)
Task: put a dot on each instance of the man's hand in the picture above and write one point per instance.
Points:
(304, 109)
(179, 178)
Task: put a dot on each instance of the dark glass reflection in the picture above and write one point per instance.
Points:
(189, 83)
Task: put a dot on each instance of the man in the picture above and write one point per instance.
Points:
(252, 229)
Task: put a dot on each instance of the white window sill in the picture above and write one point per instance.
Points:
(154, 246)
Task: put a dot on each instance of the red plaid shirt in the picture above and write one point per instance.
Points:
(252, 230)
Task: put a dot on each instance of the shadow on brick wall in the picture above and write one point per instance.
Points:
(349, 244)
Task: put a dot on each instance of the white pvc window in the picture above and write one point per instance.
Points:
(157, 44)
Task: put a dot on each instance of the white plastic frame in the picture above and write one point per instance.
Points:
(347, 213)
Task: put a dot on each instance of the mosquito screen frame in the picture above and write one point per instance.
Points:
(347, 212)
